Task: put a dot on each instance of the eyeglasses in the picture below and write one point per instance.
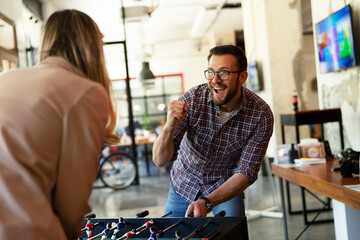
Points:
(222, 74)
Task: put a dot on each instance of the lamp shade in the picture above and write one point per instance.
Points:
(146, 76)
(146, 73)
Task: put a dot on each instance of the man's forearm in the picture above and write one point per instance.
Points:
(163, 148)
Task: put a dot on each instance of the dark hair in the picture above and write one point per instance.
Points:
(231, 50)
(177, 233)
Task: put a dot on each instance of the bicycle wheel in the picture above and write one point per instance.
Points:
(118, 171)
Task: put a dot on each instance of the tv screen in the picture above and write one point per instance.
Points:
(335, 41)
(255, 77)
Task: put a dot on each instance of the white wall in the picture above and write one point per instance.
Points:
(340, 89)
(275, 43)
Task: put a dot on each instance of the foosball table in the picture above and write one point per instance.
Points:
(165, 227)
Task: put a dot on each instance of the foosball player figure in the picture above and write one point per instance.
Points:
(106, 231)
(128, 234)
(88, 227)
(152, 233)
(119, 225)
(178, 235)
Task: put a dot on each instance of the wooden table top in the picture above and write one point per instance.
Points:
(319, 178)
(138, 139)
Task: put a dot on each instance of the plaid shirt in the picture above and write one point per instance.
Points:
(208, 153)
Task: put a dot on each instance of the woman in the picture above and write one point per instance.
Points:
(54, 119)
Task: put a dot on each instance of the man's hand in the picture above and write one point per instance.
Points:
(176, 112)
(229, 189)
(197, 208)
(163, 148)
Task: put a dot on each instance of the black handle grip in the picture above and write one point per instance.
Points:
(220, 214)
(142, 214)
(90, 215)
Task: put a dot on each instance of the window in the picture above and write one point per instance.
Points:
(8, 46)
(149, 105)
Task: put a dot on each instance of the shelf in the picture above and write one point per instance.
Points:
(311, 117)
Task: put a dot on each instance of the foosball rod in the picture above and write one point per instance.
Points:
(201, 228)
(149, 224)
(167, 214)
(140, 214)
(94, 225)
(87, 216)
(141, 228)
(219, 214)
(197, 230)
(161, 232)
(121, 220)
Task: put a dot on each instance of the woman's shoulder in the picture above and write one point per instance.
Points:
(62, 75)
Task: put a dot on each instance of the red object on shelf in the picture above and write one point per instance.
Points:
(295, 100)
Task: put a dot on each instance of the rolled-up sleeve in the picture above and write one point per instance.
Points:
(254, 151)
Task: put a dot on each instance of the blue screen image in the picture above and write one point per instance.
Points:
(335, 41)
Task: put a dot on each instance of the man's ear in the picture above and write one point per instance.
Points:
(243, 76)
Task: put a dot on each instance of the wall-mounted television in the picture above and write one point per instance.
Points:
(335, 41)
(255, 78)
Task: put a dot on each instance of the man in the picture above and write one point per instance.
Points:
(218, 134)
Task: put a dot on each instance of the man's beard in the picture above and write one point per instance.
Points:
(228, 95)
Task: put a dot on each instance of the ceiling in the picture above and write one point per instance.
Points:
(154, 22)
(156, 30)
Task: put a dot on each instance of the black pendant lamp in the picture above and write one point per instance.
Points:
(146, 76)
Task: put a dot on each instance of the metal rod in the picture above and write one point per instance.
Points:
(129, 100)
(283, 208)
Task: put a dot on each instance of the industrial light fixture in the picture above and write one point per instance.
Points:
(146, 77)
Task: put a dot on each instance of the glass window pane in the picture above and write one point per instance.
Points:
(151, 123)
(173, 84)
(119, 90)
(138, 124)
(122, 108)
(115, 60)
(149, 105)
(137, 89)
(169, 98)
(138, 107)
(156, 105)
(157, 89)
(157, 123)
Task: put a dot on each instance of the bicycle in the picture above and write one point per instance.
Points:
(117, 169)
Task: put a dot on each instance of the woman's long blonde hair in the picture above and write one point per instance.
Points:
(74, 36)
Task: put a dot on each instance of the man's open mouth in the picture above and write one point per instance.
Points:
(218, 90)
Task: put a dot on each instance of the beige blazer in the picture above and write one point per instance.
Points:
(52, 124)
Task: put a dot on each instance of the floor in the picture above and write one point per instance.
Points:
(151, 195)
